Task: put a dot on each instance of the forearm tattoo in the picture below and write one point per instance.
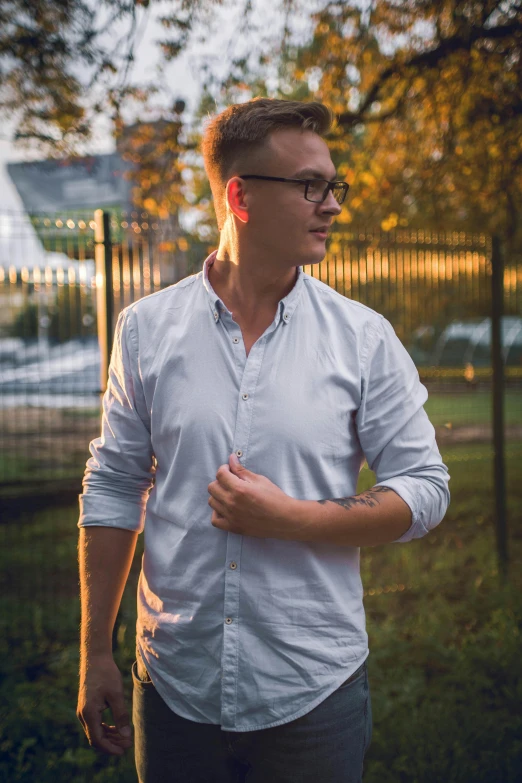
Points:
(368, 498)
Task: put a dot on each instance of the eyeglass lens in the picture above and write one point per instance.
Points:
(318, 191)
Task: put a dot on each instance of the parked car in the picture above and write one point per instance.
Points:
(469, 342)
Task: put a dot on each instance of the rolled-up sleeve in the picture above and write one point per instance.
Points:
(120, 472)
(396, 435)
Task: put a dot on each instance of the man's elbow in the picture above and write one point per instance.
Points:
(430, 498)
(434, 504)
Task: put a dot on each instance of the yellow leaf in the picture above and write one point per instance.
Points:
(367, 177)
(345, 216)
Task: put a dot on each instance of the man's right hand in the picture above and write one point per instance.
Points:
(101, 686)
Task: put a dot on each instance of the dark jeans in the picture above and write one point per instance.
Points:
(327, 745)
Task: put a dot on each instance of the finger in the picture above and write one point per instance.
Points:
(95, 727)
(219, 521)
(104, 744)
(119, 711)
(227, 480)
(218, 492)
(218, 507)
(94, 730)
(114, 731)
(112, 734)
(97, 740)
(95, 737)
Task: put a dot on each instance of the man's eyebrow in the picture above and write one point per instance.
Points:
(313, 173)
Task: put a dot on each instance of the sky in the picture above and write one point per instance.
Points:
(225, 39)
(180, 77)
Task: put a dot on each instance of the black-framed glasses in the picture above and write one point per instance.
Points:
(315, 189)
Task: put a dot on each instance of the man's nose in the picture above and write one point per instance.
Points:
(330, 205)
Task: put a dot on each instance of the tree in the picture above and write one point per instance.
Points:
(44, 47)
(428, 98)
(437, 89)
(154, 148)
(427, 95)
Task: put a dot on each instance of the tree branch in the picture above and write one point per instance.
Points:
(428, 60)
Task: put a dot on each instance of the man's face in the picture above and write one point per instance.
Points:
(280, 220)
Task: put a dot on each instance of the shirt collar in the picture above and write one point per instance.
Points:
(287, 305)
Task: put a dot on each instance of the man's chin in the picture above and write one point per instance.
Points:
(312, 258)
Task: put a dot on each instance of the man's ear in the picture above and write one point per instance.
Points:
(235, 196)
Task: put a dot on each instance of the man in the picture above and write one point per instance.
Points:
(257, 390)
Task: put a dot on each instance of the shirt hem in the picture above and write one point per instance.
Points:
(299, 714)
(309, 707)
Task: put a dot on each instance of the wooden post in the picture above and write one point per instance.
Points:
(105, 313)
(104, 304)
(497, 361)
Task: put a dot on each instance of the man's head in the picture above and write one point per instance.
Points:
(278, 138)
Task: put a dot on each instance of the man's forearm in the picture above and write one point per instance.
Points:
(105, 556)
(376, 516)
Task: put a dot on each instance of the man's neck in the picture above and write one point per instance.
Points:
(250, 290)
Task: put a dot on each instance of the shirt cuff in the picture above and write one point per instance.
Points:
(108, 511)
(402, 485)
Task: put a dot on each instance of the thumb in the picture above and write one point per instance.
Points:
(120, 715)
(238, 469)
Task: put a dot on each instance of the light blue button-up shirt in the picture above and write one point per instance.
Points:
(239, 631)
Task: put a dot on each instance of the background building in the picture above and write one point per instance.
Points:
(62, 185)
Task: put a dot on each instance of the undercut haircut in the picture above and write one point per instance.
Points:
(234, 139)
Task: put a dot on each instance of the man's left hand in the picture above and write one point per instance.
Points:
(248, 503)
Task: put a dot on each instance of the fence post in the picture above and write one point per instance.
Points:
(105, 310)
(104, 304)
(497, 361)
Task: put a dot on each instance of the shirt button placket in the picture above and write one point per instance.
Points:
(230, 642)
(231, 620)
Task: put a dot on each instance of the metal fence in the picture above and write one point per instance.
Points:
(63, 280)
(436, 289)
(52, 302)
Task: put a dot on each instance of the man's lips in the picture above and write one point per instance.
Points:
(321, 234)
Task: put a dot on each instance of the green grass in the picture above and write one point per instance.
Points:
(444, 630)
(14, 467)
(464, 408)
(18, 468)
(445, 672)
(81, 413)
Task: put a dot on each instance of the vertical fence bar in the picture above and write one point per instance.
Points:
(105, 308)
(104, 305)
(497, 361)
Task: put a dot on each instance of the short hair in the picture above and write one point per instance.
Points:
(237, 135)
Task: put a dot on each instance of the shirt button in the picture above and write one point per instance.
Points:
(239, 453)
(228, 620)
(245, 396)
(236, 339)
(233, 565)
(286, 316)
